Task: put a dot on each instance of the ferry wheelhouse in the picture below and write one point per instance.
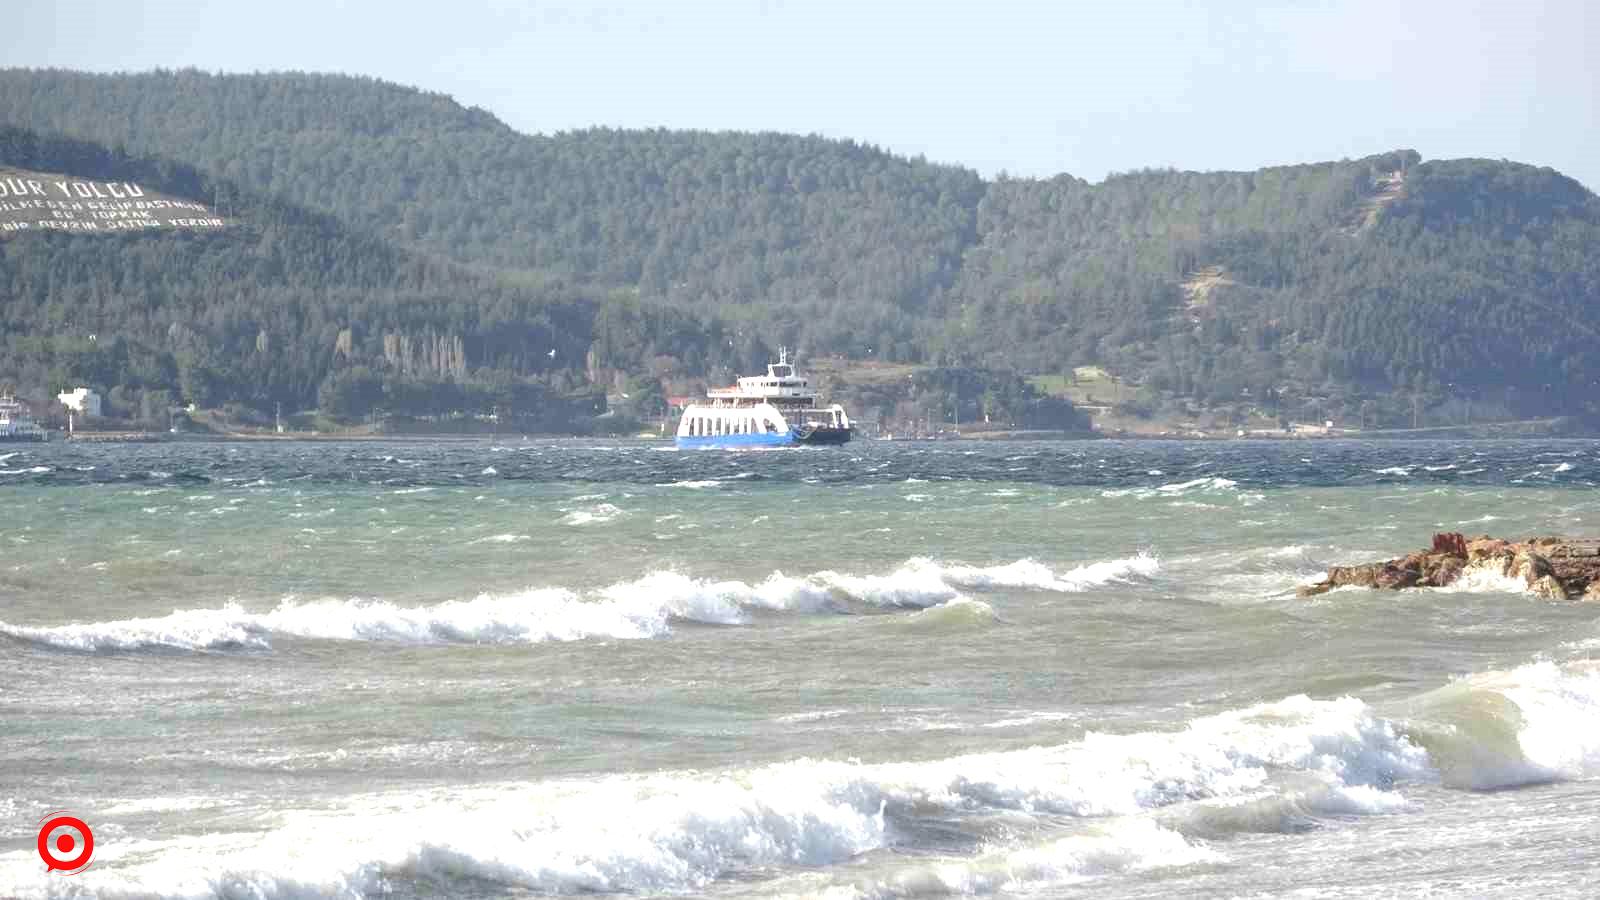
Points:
(772, 410)
(16, 422)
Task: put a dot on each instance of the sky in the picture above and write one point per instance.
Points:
(1025, 88)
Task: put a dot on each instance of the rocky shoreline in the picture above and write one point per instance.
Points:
(1553, 567)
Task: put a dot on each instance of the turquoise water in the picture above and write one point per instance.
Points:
(881, 670)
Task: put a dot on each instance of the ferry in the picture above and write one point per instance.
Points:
(773, 410)
(16, 422)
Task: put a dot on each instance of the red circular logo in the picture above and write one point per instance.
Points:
(72, 844)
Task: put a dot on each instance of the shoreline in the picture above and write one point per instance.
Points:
(1533, 429)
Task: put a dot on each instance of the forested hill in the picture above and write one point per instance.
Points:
(1379, 283)
(802, 226)
(283, 305)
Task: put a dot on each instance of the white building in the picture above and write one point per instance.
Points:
(82, 401)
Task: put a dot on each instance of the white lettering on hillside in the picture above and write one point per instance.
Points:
(65, 204)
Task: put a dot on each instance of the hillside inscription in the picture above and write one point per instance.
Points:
(36, 201)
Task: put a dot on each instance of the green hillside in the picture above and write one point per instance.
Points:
(1361, 289)
(284, 305)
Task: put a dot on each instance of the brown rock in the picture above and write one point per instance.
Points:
(1452, 543)
(1439, 571)
(1391, 576)
(1529, 566)
(1485, 547)
(1548, 587)
(1553, 567)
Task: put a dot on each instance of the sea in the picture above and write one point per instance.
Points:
(511, 668)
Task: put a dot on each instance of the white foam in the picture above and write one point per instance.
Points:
(622, 834)
(31, 470)
(638, 608)
(1113, 849)
(526, 617)
(1485, 578)
(1032, 718)
(1027, 573)
(679, 831)
(1199, 484)
(1560, 707)
(919, 583)
(1338, 742)
(501, 539)
(192, 629)
(594, 515)
(1091, 575)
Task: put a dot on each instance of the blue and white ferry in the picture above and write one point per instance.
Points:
(772, 410)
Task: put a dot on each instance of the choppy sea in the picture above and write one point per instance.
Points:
(891, 669)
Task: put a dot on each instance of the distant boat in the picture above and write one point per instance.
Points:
(16, 422)
(774, 410)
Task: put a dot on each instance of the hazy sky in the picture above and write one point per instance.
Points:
(1032, 88)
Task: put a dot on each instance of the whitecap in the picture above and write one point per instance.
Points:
(1204, 484)
(597, 514)
(500, 539)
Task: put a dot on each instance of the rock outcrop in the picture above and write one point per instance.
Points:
(1553, 567)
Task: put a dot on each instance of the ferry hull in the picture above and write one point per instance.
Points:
(823, 435)
(736, 440)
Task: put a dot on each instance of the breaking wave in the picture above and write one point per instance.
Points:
(1115, 848)
(1206, 485)
(597, 514)
(681, 831)
(641, 608)
(525, 617)
(1533, 724)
